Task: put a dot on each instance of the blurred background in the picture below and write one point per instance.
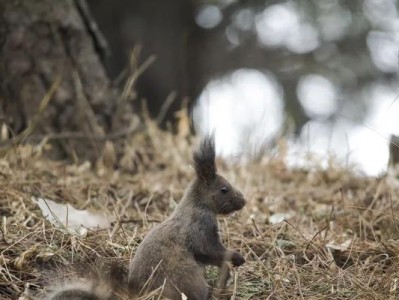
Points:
(323, 73)
(313, 77)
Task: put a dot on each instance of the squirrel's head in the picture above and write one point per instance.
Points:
(213, 190)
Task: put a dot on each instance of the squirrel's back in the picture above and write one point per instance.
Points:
(163, 254)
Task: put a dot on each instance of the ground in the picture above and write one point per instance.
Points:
(305, 234)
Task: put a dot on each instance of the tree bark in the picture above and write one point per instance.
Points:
(42, 42)
(394, 150)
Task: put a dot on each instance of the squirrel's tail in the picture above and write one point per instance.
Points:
(104, 282)
(81, 291)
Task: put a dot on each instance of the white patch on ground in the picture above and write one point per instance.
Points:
(74, 220)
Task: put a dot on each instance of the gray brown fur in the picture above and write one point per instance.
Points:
(173, 254)
(83, 291)
(76, 294)
(106, 280)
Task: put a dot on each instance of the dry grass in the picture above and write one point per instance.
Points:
(301, 258)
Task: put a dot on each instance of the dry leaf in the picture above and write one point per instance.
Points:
(183, 121)
(74, 220)
(341, 247)
(279, 217)
(24, 256)
(4, 132)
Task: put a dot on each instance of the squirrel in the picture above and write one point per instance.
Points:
(172, 256)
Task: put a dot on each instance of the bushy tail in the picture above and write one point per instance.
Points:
(107, 282)
(81, 291)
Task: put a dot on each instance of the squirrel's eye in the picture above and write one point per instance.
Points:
(224, 190)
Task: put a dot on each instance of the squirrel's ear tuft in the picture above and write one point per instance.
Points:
(204, 159)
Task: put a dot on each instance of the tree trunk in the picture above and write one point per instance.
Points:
(42, 43)
(394, 150)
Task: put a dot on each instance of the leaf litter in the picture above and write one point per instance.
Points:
(334, 234)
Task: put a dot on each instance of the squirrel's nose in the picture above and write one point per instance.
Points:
(242, 200)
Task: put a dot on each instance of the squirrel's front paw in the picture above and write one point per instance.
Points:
(237, 260)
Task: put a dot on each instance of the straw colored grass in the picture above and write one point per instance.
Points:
(340, 241)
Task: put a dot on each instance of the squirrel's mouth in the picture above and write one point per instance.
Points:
(231, 212)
